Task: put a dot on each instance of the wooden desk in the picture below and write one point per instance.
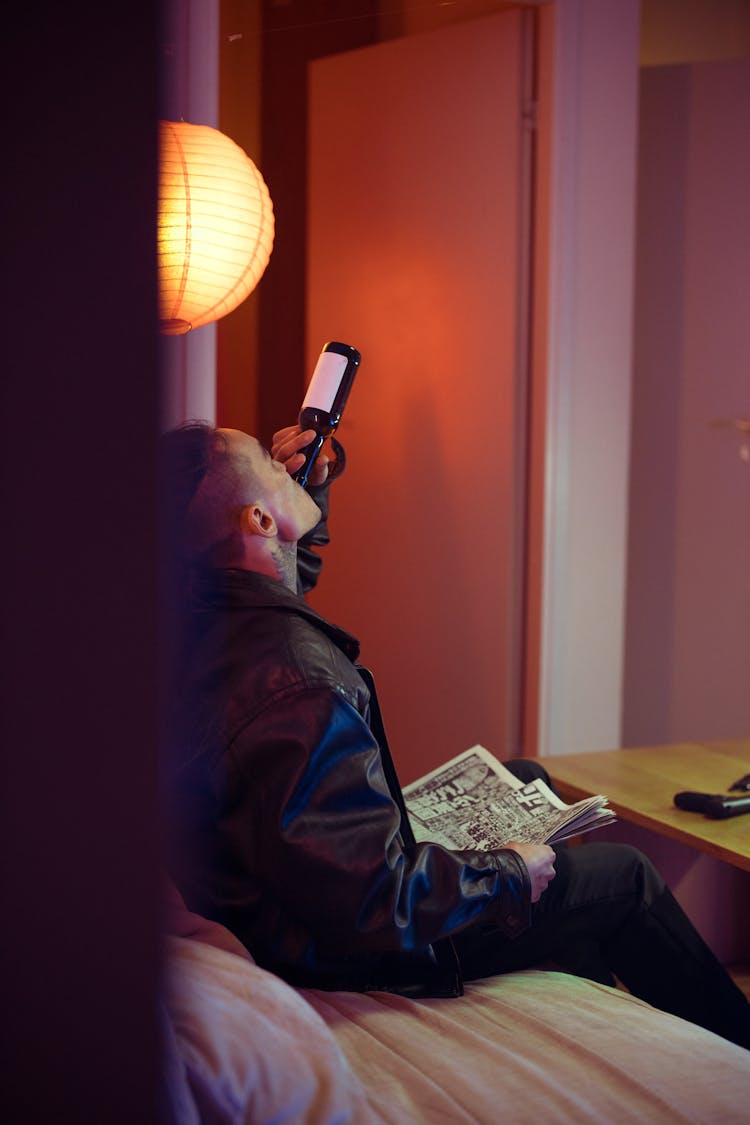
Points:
(641, 784)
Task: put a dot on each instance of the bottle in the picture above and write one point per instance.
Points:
(326, 398)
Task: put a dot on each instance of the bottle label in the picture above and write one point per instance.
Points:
(326, 379)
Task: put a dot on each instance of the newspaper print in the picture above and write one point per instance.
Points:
(474, 803)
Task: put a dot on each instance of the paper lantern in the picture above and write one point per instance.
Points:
(215, 229)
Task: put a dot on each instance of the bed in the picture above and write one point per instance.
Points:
(241, 1045)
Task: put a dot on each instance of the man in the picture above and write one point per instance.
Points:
(292, 825)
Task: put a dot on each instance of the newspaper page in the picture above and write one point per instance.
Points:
(474, 803)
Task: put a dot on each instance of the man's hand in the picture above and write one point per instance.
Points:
(540, 863)
(286, 447)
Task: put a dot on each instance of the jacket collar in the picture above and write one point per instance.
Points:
(246, 589)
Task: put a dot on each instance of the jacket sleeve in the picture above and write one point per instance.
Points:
(309, 564)
(313, 818)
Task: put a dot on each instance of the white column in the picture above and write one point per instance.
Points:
(190, 91)
(593, 184)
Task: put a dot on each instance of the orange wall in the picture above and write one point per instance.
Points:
(418, 253)
(262, 358)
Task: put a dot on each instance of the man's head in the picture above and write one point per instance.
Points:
(230, 504)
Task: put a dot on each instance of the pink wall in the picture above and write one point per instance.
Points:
(687, 665)
(688, 657)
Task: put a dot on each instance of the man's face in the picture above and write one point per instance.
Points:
(293, 509)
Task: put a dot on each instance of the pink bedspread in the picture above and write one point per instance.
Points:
(527, 1047)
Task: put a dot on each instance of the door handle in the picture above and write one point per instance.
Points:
(742, 426)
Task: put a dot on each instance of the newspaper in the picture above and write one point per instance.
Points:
(474, 803)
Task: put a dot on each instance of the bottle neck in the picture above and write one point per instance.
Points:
(322, 421)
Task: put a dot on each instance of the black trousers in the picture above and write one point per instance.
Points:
(606, 914)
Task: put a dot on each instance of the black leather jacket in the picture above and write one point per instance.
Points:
(293, 828)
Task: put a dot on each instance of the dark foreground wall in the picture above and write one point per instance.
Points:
(78, 716)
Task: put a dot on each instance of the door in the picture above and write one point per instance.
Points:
(688, 653)
(417, 255)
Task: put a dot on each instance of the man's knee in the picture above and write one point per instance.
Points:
(624, 869)
(528, 769)
(644, 874)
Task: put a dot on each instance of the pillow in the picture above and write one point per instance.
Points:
(181, 922)
(247, 1047)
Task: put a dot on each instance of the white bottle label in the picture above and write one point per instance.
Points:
(326, 379)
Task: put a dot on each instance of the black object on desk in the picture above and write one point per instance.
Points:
(716, 806)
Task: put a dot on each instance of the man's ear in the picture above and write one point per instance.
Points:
(255, 520)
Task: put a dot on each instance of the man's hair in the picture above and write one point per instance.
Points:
(204, 492)
(186, 456)
(201, 485)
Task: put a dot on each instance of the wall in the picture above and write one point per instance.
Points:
(79, 846)
(688, 609)
(688, 660)
(425, 566)
(293, 34)
(583, 632)
(240, 96)
(582, 440)
(579, 516)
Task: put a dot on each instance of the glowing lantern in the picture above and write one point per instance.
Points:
(215, 229)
